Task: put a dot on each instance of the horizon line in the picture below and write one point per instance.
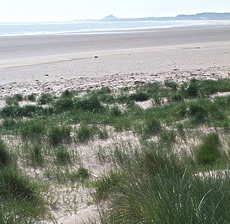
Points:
(101, 19)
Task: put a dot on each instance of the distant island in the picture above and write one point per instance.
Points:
(198, 16)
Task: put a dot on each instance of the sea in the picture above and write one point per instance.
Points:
(81, 27)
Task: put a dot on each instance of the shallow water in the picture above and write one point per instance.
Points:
(15, 29)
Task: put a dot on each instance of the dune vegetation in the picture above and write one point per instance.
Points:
(153, 153)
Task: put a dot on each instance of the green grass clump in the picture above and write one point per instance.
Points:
(45, 98)
(9, 123)
(208, 152)
(64, 104)
(115, 111)
(31, 129)
(11, 111)
(58, 134)
(31, 110)
(81, 174)
(4, 154)
(180, 129)
(192, 89)
(198, 113)
(16, 185)
(107, 184)
(102, 133)
(31, 97)
(153, 126)
(17, 112)
(167, 139)
(67, 94)
(177, 98)
(139, 96)
(91, 105)
(11, 101)
(18, 97)
(208, 87)
(122, 123)
(104, 95)
(21, 199)
(62, 155)
(36, 155)
(172, 85)
(161, 188)
(84, 133)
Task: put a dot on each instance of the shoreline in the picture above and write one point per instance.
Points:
(99, 31)
(116, 31)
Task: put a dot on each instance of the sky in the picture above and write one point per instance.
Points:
(64, 10)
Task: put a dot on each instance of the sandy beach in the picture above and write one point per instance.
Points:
(54, 63)
(48, 58)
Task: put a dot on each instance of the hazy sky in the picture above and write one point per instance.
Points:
(58, 10)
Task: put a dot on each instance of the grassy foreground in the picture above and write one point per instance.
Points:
(173, 169)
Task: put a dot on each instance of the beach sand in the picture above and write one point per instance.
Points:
(53, 63)
(48, 58)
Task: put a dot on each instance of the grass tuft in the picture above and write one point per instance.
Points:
(4, 154)
(58, 134)
(208, 152)
(62, 155)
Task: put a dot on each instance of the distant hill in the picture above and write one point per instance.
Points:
(110, 18)
(199, 16)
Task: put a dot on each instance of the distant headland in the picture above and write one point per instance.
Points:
(198, 16)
